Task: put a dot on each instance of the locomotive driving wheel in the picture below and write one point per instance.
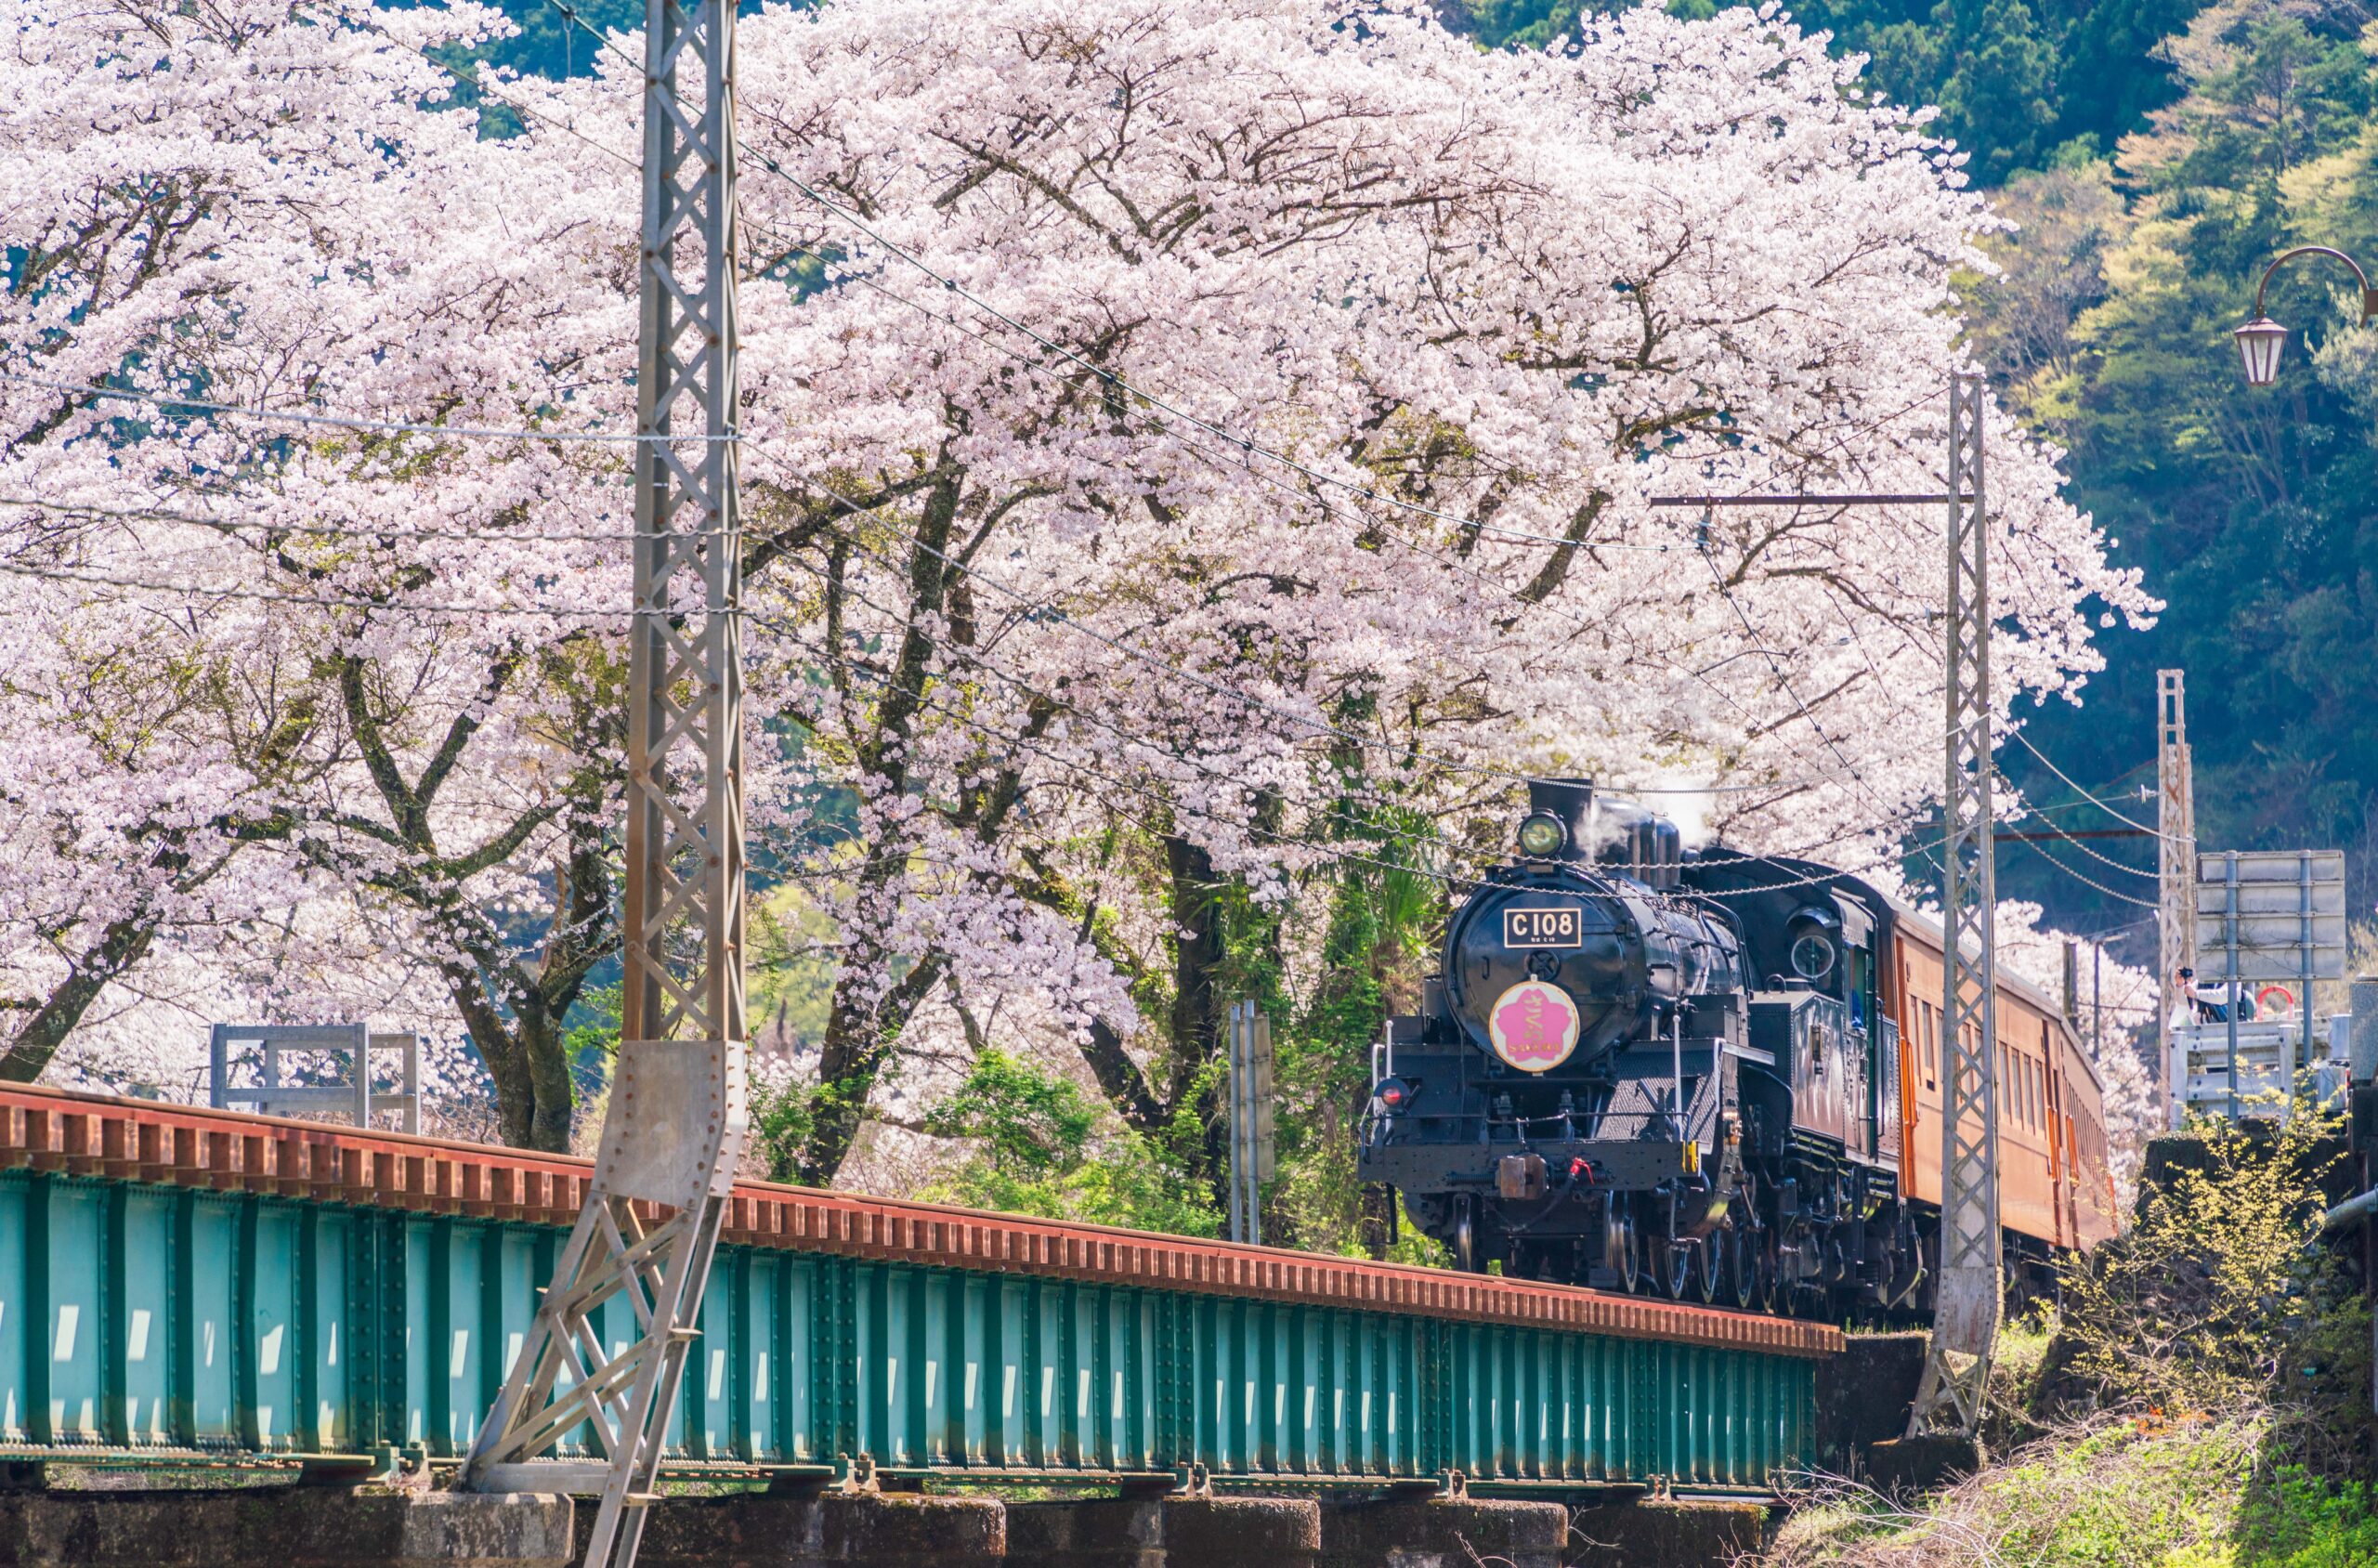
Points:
(1707, 1266)
(1769, 1256)
(1465, 1238)
(1672, 1267)
(1742, 1266)
(1620, 1253)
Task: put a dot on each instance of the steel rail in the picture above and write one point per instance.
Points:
(72, 1132)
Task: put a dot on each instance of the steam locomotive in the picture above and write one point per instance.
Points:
(1712, 1076)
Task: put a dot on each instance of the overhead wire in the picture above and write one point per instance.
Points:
(2041, 850)
(280, 596)
(2085, 794)
(330, 530)
(2030, 746)
(2059, 832)
(173, 400)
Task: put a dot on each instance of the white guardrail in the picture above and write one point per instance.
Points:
(2200, 1067)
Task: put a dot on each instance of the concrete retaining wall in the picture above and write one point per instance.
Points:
(281, 1527)
(326, 1527)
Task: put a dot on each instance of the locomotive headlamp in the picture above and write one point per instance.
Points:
(1812, 956)
(1543, 835)
(1394, 1093)
(1815, 941)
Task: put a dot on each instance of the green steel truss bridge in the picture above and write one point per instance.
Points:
(184, 1287)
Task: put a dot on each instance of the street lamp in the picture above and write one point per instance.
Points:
(2260, 340)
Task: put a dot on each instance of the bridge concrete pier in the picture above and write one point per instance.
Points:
(1166, 1533)
(320, 1526)
(835, 1530)
(1442, 1533)
(282, 1526)
(1656, 1534)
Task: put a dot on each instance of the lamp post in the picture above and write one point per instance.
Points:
(2260, 340)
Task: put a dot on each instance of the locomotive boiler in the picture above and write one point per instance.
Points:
(1642, 1069)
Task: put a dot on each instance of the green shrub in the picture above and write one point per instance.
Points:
(2217, 1296)
(1042, 1148)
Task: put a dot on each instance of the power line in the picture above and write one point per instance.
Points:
(2085, 796)
(2059, 831)
(327, 530)
(2036, 848)
(274, 595)
(341, 422)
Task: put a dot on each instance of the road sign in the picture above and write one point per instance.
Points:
(2268, 915)
(2279, 904)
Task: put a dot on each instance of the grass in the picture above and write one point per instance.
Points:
(2197, 1492)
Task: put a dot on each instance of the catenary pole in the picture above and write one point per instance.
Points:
(674, 1122)
(2176, 877)
(1965, 1327)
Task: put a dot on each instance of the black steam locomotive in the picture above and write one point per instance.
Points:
(1641, 1070)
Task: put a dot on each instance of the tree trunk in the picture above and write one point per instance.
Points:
(540, 1042)
(858, 1041)
(1197, 952)
(122, 945)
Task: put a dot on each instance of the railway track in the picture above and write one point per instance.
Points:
(193, 1282)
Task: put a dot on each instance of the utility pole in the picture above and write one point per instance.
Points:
(676, 1122)
(1253, 1139)
(1965, 1327)
(2175, 867)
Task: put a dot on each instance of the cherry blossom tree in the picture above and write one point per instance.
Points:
(346, 660)
(1276, 409)
(1189, 447)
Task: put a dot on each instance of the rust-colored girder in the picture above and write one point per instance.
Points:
(143, 1140)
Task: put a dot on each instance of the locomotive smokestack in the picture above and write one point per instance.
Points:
(1641, 843)
(1571, 800)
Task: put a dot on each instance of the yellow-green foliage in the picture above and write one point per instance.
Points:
(2142, 1493)
(1041, 1148)
(2214, 1363)
(2212, 1294)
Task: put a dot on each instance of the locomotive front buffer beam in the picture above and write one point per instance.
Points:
(1574, 1170)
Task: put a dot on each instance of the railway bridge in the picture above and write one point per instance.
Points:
(187, 1291)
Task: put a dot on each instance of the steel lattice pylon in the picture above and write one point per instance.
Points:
(675, 1120)
(2175, 868)
(1964, 1326)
